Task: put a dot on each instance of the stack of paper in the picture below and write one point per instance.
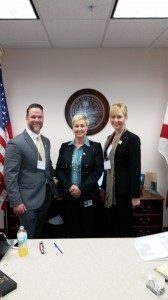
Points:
(153, 247)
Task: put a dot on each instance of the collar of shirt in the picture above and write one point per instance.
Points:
(86, 142)
(32, 134)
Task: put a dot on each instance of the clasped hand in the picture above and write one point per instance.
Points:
(75, 191)
(135, 202)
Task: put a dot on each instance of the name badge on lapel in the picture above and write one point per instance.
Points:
(107, 165)
(41, 164)
(88, 203)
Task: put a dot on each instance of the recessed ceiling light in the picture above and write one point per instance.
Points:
(141, 9)
(17, 9)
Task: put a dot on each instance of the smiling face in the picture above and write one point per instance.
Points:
(80, 128)
(35, 119)
(118, 121)
(118, 116)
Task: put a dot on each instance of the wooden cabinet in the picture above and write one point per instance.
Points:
(148, 218)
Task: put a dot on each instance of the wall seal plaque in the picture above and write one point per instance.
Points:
(91, 103)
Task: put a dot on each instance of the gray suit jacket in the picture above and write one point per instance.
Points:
(24, 182)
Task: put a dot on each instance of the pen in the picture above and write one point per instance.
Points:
(41, 247)
(56, 246)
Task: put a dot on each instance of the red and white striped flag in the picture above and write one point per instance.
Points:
(5, 135)
(163, 142)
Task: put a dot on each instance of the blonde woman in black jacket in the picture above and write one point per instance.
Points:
(79, 167)
(122, 157)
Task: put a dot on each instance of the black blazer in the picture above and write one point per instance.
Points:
(91, 170)
(127, 164)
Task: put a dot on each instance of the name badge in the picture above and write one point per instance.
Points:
(107, 165)
(88, 203)
(41, 164)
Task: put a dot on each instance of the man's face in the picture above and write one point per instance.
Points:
(35, 119)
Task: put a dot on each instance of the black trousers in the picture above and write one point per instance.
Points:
(80, 220)
(118, 218)
(33, 220)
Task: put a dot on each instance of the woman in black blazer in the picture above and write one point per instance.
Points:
(122, 164)
(79, 167)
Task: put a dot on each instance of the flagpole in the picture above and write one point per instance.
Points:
(1, 53)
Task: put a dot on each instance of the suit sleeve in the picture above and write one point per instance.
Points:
(12, 165)
(135, 166)
(63, 183)
(91, 181)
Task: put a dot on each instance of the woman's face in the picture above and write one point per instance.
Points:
(118, 121)
(80, 128)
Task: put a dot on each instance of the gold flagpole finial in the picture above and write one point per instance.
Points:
(1, 53)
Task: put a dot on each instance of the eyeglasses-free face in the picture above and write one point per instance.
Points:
(80, 128)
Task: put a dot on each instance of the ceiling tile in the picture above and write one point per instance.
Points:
(133, 33)
(75, 30)
(19, 30)
(162, 40)
(76, 43)
(74, 9)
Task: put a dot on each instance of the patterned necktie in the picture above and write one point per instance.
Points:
(40, 147)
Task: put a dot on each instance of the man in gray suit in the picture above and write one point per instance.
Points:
(27, 172)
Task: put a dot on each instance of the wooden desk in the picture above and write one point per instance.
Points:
(148, 218)
(96, 269)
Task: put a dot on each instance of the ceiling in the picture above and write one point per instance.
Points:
(71, 24)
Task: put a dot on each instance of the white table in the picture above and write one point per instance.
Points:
(90, 269)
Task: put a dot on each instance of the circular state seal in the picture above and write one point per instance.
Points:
(90, 103)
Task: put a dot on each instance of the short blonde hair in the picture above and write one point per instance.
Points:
(78, 117)
(116, 107)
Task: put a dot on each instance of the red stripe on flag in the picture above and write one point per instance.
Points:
(1, 177)
(2, 183)
(4, 204)
(2, 159)
(9, 130)
(2, 142)
(164, 131)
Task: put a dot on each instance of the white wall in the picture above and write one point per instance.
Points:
(137, 77)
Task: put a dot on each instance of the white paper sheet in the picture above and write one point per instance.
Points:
(152, 247)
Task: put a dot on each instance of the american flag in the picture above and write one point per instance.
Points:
(5, 135)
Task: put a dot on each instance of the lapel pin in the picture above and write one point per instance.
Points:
(120, 142)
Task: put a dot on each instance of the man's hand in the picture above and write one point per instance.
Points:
(20, 209)
(135, 202)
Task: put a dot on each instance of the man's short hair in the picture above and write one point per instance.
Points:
(33, 105)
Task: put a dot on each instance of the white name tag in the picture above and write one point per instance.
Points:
(107, 165)
(88, 203)
(41, 164)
